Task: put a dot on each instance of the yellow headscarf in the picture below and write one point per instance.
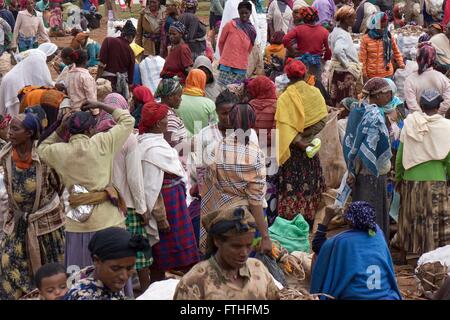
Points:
(137, 49)
(299, 107)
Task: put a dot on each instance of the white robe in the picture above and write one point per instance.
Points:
(31, 71)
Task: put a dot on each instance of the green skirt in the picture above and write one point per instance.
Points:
(135, 227)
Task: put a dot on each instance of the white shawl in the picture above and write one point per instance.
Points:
(424, 138)
(31, 71)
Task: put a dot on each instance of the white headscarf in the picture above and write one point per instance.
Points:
(31, 71)
(48, 48)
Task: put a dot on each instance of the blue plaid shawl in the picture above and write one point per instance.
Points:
(366, 137)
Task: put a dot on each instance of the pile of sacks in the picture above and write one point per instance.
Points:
(432, 270)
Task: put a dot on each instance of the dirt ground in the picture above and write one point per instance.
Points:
(405, 273)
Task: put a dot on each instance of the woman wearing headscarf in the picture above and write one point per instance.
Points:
(312, 41)
(173, 8)
(235, 45)
(378, 49)
(113, 252)
(345, 78)
(212, 89)
(32, 70)
(127, 177)
(440, 42)
(279, 17)
(179, 60)
(141, 95)
(195, 109)
(263, 100)
(91, 165)
(27, 29)
(301, 114)
(426, 78)
(149, 28)
(364, 11)
(422, 172)
(33, 228)
(350, 265)
(170, 92)
(81, 86)
(81, 40)
(236, 171)
(195, 36)
(164, 174)
(228, 274)
(367, 149)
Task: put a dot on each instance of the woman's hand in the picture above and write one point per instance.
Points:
(266, 245)
(350, 179)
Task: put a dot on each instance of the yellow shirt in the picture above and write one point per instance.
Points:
(88, 162)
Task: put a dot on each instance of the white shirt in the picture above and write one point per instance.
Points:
(281, 20)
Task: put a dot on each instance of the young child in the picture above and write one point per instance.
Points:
(51, 282)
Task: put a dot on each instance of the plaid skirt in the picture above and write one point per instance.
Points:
(135, 227)
(228, 77)
(16, 276)
(424, 217)
(177, 248)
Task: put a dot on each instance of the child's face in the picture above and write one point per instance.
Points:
(54, 287)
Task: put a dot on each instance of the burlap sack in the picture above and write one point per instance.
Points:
(431, 276)
(328, 198)
(331, 155)
(5, 63)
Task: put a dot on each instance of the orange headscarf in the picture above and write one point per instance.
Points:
(195, 83)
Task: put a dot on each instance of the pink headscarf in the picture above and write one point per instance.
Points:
(105, 120)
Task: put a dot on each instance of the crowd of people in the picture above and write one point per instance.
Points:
(174, 147)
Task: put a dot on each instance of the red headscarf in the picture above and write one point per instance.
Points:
(152, 112)
(143, 94)
(262, 87)
(295, 69)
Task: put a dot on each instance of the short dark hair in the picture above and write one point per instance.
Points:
(46, 271)
(79, 56)
(245, 4)
(66, 52)
(226, 97)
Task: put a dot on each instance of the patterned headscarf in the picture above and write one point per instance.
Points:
(31, 122)
(344, 12)
(152, 112)
(374, 25)
(167, 88)
(309, 14)
(4, 121)
(40, 113)
(426, 56)
(424, 38)
(375, 86)
(361, 216)
(80, 122)
(179, 27)
(229, 221)
(295, 69)
(105, 120)
(190, 3)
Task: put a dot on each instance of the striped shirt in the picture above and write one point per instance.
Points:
(235, 172)
(175, 127)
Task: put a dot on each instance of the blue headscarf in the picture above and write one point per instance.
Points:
(31, 122)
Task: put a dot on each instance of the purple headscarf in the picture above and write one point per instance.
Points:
(105, 120)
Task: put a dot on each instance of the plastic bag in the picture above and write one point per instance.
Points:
(291, 234)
